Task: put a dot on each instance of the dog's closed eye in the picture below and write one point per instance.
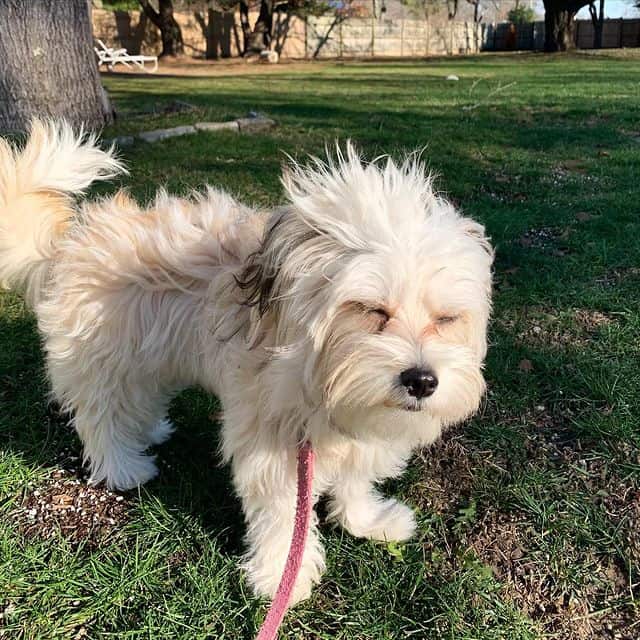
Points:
(445, 319)
(376, 317)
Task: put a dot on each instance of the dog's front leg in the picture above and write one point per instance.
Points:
(357, 505)
(267, 487)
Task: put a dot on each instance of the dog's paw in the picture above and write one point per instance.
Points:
(161, 431)
(395, 522)
(265, 586)
(126, 472)
(264, 575)
(384, 520)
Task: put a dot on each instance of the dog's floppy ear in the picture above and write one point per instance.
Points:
(258, 278)
(265, 278)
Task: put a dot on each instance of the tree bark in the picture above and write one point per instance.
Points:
(597, 21)
(246, 27)
(559, 25)
(281, 30)
(558, 29)
(260, 37)
(48, 66)
(217, 29)
(170, 32)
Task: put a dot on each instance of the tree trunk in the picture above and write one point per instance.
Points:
(260, 38)
(48, 66)
(163, 18)
(558, 26)
(597, 21)
(246, 27)
(281, 31)
(217, 30)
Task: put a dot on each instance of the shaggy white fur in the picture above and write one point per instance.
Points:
(353, 316)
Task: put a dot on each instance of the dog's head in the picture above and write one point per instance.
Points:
(376, 288)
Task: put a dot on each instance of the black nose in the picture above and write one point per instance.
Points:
(420, 383)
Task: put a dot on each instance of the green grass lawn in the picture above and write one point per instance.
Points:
(529, 513)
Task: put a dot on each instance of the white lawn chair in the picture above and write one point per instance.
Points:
(111, 57)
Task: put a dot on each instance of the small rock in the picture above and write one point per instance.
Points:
(270, 57)
(453, 78)
(252, 125)
(163, 134)
(217, 126)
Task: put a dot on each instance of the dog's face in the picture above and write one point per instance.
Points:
(383, 286)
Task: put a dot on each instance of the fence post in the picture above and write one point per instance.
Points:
(427, 34)
(533, 26)
(373, 36)
(621, 27)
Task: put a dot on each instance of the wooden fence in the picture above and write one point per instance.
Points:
(370, 37)
(505, 36)
(327, 37)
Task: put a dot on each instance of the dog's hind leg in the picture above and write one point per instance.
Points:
(161, 431)
(116, 424)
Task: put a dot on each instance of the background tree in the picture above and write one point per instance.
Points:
(340, 14)
(521, 14)
(559, 23)
(427, 8)
(48, 64)
(491, 10)
(597, 19)
(477, 10)
(170, 32)
(271, 26)
(217, 21)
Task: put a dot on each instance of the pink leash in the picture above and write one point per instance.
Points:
(272, 622)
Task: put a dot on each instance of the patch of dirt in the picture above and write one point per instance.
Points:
(575, 590)
(532, 580)
(569, 170)
(591, 320)
(615, 276)
(66, 506)
(576, 327)
(449, 471)
(492, 187)
(546, 240)
(185, 66)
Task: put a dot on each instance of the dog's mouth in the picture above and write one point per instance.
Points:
(414, 406)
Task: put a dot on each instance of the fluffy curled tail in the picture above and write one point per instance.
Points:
(37, 185)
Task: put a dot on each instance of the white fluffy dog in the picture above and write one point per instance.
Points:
(353, 316)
